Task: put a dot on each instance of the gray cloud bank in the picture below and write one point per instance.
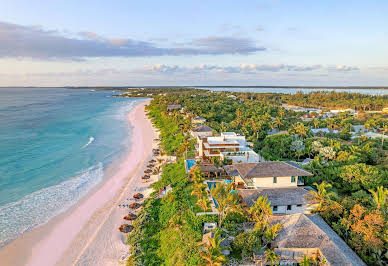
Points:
(37, 43)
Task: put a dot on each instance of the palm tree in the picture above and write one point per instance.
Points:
(222, 127)
(212, 252)
(380, 197)
(226, 201)
(260, 213)
(199, 190)
(203, 203)
(315, 123)
(322, 195)
(196, 174)
(271, 257)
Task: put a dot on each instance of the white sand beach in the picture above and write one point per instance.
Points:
(88, 234)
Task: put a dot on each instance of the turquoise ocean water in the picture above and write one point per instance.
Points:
(55, 145)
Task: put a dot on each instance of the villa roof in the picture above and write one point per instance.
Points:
(199, 118)
(277, 196)
(208, 168)
(311, 231)
(203, 128)
(266, 169)
(173, 106)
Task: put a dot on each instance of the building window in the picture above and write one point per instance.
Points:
(289, 207)
(299, 205)
(275, 208)
(293, 179)
(275, 180)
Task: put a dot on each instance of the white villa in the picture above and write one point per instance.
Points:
(228, 145)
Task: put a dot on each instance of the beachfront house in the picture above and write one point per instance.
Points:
(228, 145)
(278, 181)
(266, 174)
(202, 131)
(287, 200)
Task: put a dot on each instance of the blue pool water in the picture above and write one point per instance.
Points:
(55, 145)
(190, 164)
(213, 185)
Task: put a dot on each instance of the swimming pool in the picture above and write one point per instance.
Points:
(213, 185)
(190, 163)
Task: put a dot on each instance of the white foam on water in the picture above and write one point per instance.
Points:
(39, 207)
(91, 139)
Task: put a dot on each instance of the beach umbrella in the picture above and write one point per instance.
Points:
(138, 196)
(130, 217)
(126, 228)
(134, 205)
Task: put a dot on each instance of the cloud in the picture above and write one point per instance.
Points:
(227, 45)
(344, 68)
(242, 69)
(259, 28)
(37, 43)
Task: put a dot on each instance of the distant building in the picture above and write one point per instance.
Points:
(232, 96)
(324, 130)
(198, 120)
(174, 107)
(359, 129)
(338, 111)
(374, 135)
(275, 132)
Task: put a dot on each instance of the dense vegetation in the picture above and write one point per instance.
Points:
(351, 175)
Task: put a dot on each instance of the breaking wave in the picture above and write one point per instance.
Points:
(41, 206)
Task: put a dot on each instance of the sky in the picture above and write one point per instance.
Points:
(199, 42)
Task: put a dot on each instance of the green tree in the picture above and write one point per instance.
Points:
(212, 252)
(380, 198)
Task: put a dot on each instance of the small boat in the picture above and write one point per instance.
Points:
(92, 90)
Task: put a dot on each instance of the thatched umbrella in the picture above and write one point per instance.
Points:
(145, 177)
(125, 228)
(150, 166)
(130, 217)
(134, 205)
(138, 196)
(152, 161)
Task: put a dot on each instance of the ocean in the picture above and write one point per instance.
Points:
(55, 146)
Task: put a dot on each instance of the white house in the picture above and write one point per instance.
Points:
(228, 145)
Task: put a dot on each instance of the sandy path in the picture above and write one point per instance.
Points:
(87, 234)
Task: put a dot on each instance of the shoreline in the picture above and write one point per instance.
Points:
(59, 241)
